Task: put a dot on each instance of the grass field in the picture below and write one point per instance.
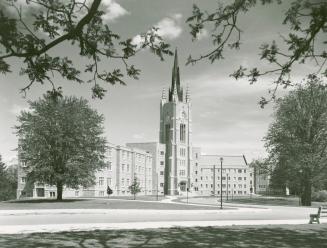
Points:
(303, 236)
(95, 203)
(274, 201)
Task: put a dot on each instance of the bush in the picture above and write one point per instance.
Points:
(320, 196)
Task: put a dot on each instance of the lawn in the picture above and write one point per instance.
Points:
(229, 237)
(95, 203)
(254, 200)
(273, 201)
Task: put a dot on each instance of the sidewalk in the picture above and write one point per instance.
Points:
(18, 229)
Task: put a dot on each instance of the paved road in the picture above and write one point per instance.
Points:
(75, 218)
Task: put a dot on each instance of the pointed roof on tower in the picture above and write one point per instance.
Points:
(175, 82)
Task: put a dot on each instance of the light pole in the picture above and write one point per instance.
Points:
(221, 183)
(157, 186)
(227, 186)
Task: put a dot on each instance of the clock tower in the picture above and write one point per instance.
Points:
(176, 134)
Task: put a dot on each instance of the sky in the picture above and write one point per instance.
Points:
(225, 113)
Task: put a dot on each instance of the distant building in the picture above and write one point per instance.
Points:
(171, 166)
(235, 178)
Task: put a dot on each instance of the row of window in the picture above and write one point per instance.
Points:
(223, 186)
(239, 192)
(223, 178)
(225, 170)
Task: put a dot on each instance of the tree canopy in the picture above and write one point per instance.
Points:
(135, 187)
(307, 24)
(297, 139)
(8, 181)
(29, 35)
(61, 142)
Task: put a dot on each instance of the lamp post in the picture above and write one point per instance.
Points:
(221, 183)
(227, 186)
(157, 186)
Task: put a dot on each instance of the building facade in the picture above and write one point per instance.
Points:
(171, 166)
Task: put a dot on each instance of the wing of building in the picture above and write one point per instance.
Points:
(171, 166)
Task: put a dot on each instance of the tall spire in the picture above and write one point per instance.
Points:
(175, 82)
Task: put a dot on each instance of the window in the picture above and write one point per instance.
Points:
(206, 185)
(196, 172)
(53, 194)
(162, 162)
(109, 165)
(76, 193)
(122, 181)
(127, 167)
(161, 173)
(101, 193)
(182, 172)
(250, 174)
(240, 178)
(196, 179)
(196, 164)
(122, 167)
(196, 156)
(182, 152)
(224, 178)
(101, 181)
(182, 133)
(109, 181)
(239, 171)
(244, 178)
(23, 179)
(161, 184)
(162, 153)
(244, 171)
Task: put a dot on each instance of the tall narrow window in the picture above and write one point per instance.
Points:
(182, 132)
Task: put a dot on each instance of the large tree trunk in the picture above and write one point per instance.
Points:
(306, 191)
(59, 191)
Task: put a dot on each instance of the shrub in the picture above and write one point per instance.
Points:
(320, 196)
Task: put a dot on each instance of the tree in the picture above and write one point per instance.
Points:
(30, 34)
(8, 181)
(135, 188)
(297, 139)
(61, 142)
(307, 24)
(109, 191)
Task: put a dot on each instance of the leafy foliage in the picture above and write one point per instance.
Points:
(297, 139)
(61, 142)
(8, 181)
(30, 36)
(135, 188)
(307, 23)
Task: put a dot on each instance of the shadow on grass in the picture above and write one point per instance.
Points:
(303, 236)
(45, 200)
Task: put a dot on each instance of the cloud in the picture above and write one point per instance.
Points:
(169, 28)
(17, 109)
(202, 34)
(113, 10)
